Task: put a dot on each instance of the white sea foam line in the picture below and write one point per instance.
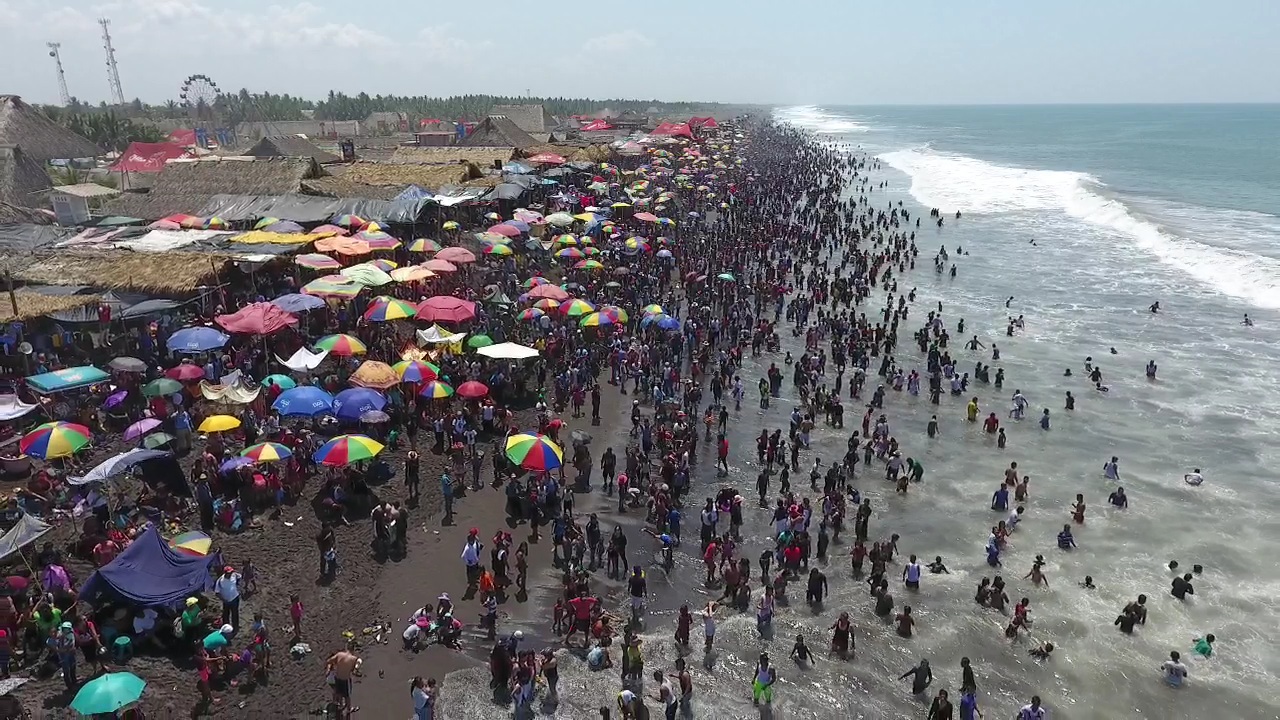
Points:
(956, 182)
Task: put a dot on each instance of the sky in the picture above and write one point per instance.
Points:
(827, 52)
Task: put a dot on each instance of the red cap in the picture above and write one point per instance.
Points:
(228, 569)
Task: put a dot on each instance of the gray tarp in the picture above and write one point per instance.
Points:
(27, 531)
(309, 208)
(505, 191)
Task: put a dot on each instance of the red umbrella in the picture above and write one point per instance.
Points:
(456, 255)
(446, 308)
(510, 231)
(551, 292)
(257, 319)
(547, 158)
(472, 389)
(186, 372)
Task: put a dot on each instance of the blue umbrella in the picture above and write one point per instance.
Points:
(197, 339)
(235, 463)
(350, 404)
(666, 322)
(520, 225)
(297, 302)
(303, 401)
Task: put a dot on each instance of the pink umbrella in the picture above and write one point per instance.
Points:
(472, 389)
(646, 217)
(440, 266)
(550, 292)
(140, 428)
(186, 372)
(509, 230)
(257, 319)
(456, 255)
(446, 308)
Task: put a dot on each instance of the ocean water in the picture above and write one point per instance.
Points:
(1127, 206)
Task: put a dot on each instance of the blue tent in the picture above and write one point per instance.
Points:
(152, 574)
(68, 379)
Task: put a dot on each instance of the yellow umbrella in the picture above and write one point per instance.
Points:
(219, 423)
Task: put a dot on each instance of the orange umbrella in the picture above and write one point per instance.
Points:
(374, 374)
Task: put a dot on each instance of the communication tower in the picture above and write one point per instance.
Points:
(113, 71)
(62, 77)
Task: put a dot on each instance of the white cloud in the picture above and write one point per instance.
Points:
(617, 41)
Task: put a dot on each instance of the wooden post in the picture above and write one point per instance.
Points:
(13, 298)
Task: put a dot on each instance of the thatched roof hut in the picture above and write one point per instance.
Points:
(185, 186)
(339, 187)
(32, 304)
(499, 131)
(23, 181)
(400, 174)
(483, 157)
(291, 146)
(39, 137)
(572, 151)
(165, 273)
(533, 119)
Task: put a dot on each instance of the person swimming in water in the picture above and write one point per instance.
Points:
(1193, 478)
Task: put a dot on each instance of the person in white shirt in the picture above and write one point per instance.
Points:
(227, 586)
(1033, 711)
(1174, 671)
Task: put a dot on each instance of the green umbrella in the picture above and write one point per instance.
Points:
(108, 693)
(284, 381)
(478, 341)
(163, 386)
(726, 276)
(156, 440)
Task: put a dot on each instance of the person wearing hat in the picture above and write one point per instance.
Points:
(227, 586)
(191, 621)
(63, 644)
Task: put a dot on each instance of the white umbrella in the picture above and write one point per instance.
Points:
(559, 219)
(117, 465)
(303, 359)
(508, 351)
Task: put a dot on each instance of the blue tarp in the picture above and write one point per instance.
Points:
(68, 379)
(151, 574)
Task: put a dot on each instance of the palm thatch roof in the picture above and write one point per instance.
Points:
(291, 146)
(165, 273)
(32, 304)
(481, 156)
(16, 214)
(185, 186)
(532, 119)
(23, 181)
(499, 131)
(340, 187)
(41, 138)
(400, 174)
(571, 151)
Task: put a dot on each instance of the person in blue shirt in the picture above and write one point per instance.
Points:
(673, 525)
(1065, 540)
(993, 554)
(969, 706)
(1000, 500)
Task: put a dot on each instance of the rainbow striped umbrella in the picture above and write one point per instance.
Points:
(341, 344)
(566, 240)
(192, 542)
(348, 221)
(499, 250)
(436, 390)
(379, 241)
(316, 261)
(323, 287)
(416, 371)
(570, 253)
(425, 245)
(534, 452)
(385, 308)
(534, 282)
(652, 310)
(596, 319)
(615, 312)
(586, 240)
(547, 304)
(577, 307)
(267, 452)
(590, 251)
(385, 266)
(588, 265)
(54, 440)
(636, 244)
(346, 449)
(530, 314)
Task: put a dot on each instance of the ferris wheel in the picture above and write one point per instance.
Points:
(199, 93)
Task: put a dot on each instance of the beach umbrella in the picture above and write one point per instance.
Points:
(257, 319)
(560, 219)
(590, 252)
(588, 265)
(415, 371)
(440, 266)
(265, 222)
(534, 452)
(346, 449)
(530, 314)
(303, 401)
(412, 273)
(140, 428)
(389, 309)
(449, 225)
(425, 245)
(215, 223)
(546, 304)
(185, 372)
(192, 542)
(316, 261)
(284, 381)
(615, 312)
(666, 322)
(329, 230)
(374, 417)
(267, 452)
(493, 238)
(550, 292)
(115, 399)
(472, 389)
(341, 344)
(520, 225)
(613, 284)
(728, 277)
(577, 308)
(652, 310)
(566, 240)
(664, 253)
(436, 390)
(324, 287)
(385, 266)
(447, 309)
(161, 386)
(478, 341)
(456, 255)
(108, 693)
(350, 403)
(156, 440)
(366, 274)
(503, 229)
(492, 216)
(128, 364)
(196, 340)
(534, 282)
(646, 217)
(596, 319)
(499, 250)
(351, 222)
(219, 423)
(297, 302)
(283, 227)
(54, 440)
(570, 253)
(636, 244)
(375, 374)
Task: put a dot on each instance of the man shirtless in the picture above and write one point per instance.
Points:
(343, 664)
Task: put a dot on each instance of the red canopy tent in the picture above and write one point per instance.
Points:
(257, 319)
(667, 128)
(184, 137)
(547, 158)
(148, 157)
(446, 308)
(596, 126)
